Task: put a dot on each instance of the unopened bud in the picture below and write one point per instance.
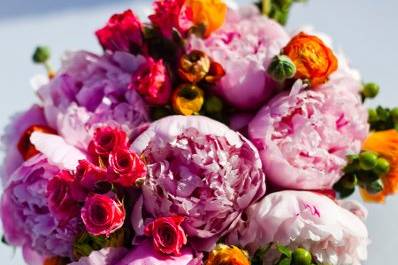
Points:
(281, 68)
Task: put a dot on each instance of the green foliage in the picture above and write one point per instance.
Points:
(277, 9)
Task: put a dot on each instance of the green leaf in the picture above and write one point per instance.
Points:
(284, 250)
(285, 261)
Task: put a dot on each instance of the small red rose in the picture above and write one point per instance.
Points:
(126, 166)
(168, 235)
(102, 215)
(107, 139)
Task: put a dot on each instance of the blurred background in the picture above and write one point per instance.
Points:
(366, 30)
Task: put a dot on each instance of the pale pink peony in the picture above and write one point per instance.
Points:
(145, 254)
(13, 132)
(200, 169)
(91, 90)
(304, 137)
(304, 219)
(26, 218)
(106, 256)
(244, 46)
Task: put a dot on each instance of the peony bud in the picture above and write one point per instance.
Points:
(302, 256)
(213, 105)
(187, 99)
(41, 55)
(367, 160)
(281, 68)
(370, 90)
(194, 66)
(375, 186)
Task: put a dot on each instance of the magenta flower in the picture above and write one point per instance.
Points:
(123, 32)
(200, 169)
(304, 137)
(27, 220)
(332, 234)
(152, 82)
(92, 90)
(244, 46)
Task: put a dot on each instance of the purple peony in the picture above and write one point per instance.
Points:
(304, 137)
(90, 90)
(200, 169)
(244, 46)
(26, 218)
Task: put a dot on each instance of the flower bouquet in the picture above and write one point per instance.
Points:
(205, 135)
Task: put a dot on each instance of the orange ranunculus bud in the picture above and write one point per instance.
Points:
(187, 99)
(194, 66)
(385, 143)
(210, 13)
(224, 254)
(25, 147)
(56, 261)
(313, 59)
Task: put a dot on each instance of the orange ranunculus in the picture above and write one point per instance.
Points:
(55, 261)
(187, 99)
(313, 59)
(25, 147)
(385, 143)
(210, 13)
(227, 255)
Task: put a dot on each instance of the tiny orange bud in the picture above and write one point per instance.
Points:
(25, 147)
(228, 255)
(313, 59)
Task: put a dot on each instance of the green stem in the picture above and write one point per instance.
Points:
(266, 7)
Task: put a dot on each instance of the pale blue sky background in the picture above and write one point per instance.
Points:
(365, 29)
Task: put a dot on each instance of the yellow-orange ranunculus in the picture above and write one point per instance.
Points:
(385, 143)
(210, 13)
(313, 59)
(187, 100)
(227, 255)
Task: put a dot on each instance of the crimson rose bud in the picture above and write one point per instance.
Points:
(102, 215)
(168, 235)
(107, 139)
(127, 167)
(123, 32)
(63, 194)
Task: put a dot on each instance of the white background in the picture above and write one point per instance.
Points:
(365, 29)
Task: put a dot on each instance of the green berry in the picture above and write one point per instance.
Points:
(302, 256)
(213, 104)
(41, 55)
(375, 187)
(382, 167)
(373, 117)
(370, 90)
(367, 160)
(281, 68)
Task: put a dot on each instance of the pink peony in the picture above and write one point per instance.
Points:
(304, 137)
(304, 219)
(200, 169)
(91, 90)
(123, 32)
(26, 218)
(102, 214)
(106, 256)
(169, 15)
(145, 254)
(168, 235)
(152, 82)
(13, 132)
(244, 46)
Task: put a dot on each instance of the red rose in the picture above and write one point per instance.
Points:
(63, 194)
(102, 215)
(168, 235)
(107, 139)
(89, 174)
(123, 32)
(127, 167)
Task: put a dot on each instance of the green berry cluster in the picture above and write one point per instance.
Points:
(364, 170)
(381, 119)
(299, 256)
